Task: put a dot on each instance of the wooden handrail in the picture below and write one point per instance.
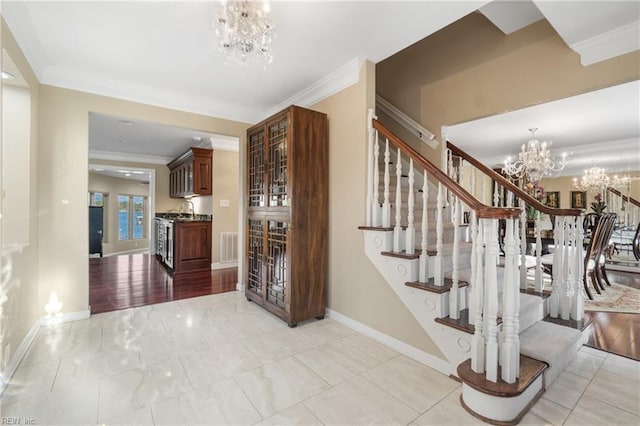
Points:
(482, 211)
(511, 187)
(624, 197)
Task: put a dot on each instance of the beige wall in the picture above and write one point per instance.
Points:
(356, 289)
(163, 202)
(21, 309)
(117, 186)
(471, 70)
(62, 156)
(225, 187)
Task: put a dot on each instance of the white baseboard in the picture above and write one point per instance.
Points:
(412, 352)
(134, 251)
(226, 265)
(66, 317)
(17, 356)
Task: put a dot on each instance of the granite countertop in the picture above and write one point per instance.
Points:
(184, 217)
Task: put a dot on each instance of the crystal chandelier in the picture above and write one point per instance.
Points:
(245, 31)
(593, 180)
(534, 161)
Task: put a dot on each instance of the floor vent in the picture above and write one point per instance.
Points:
(228, 247)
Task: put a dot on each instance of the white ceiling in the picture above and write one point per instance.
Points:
(147, 142)
(599, 128)
(165, 53)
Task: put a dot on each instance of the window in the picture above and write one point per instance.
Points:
(101, 199)
(97, 199)
(131, 217)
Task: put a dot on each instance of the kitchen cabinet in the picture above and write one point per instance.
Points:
(183, 245)
(192, 246)
(287, 214)
(191, 173)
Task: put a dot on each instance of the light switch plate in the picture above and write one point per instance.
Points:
(224, 203)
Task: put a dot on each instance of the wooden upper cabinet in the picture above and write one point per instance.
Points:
(287, 214)
(191, 173)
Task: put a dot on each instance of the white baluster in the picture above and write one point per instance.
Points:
(538, 283)
(424, 257)
(496, 194)
(523, 246)
(558, 261)
(370, 170)
(483, 190)
(376, 211)
(411, 231)
(566, 266)
(472, 279)
(577, 306)
(454, 293)
(438, 273)
(491, 297)
(386, 205)
(397, 230)
(509, 352)
(478, 341)
(471, 290)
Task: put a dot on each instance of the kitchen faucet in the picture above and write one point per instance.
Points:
(193, 209)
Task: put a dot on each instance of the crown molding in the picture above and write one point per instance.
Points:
(613, 43)
(343, 77)
(101, 85)
(17, 18)
(95, 154)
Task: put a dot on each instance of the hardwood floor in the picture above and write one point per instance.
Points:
(120, 282)
(614, 332)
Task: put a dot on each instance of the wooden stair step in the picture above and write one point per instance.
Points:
(530, 369)
(430, 285)
(461, 323)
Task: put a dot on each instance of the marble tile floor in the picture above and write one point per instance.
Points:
(219, 359)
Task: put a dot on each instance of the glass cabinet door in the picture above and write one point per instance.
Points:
(255, 256)
(255, 169)
(276, 262)
(277, 163)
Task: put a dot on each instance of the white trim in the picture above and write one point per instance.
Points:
(226, 265)
(65, 317)
(395, 344)
(95, 154)
(25, 35)
(17, 356)
(415, 128)
(118, 253)
(345, 76)
(613, 43)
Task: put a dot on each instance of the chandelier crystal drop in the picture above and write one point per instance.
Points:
(245, 31)
(593, 180)
(534, 161)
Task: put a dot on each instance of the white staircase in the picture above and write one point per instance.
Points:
(490, 332)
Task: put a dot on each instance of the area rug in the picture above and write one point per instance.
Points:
(617, 298)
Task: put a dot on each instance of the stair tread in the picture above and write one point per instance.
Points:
(545, 340)
(430, 285)
(554, 344)
(530, 370)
